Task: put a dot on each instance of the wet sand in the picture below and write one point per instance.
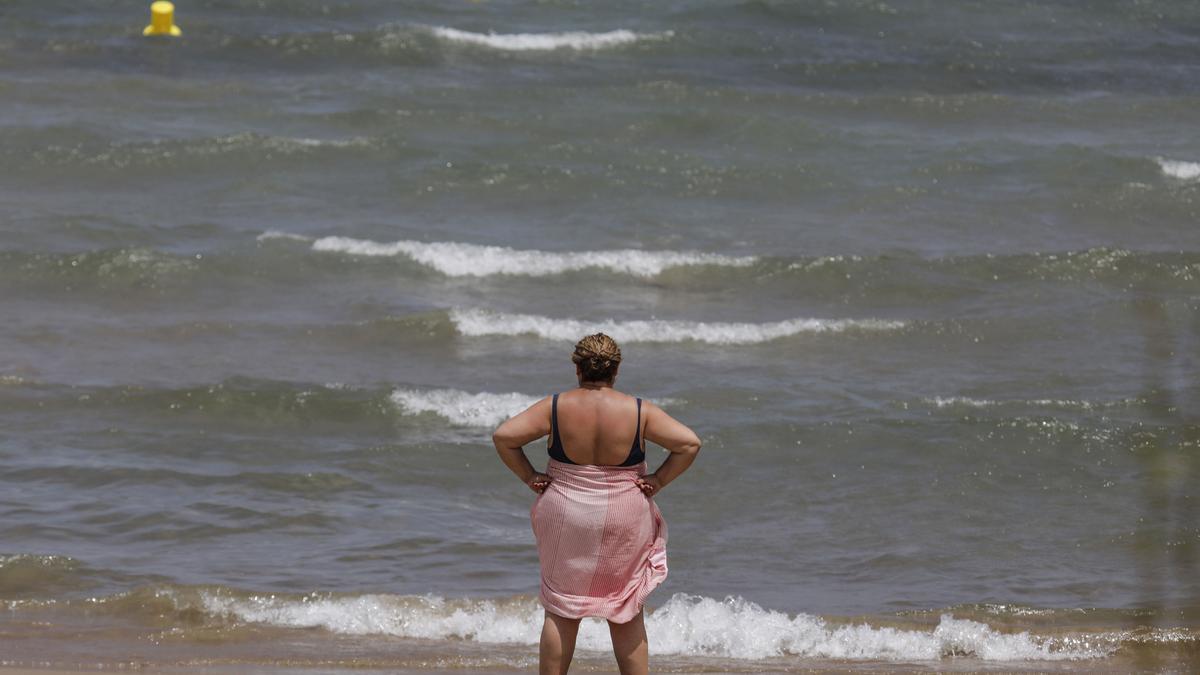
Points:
(1171, 664)
(96, 644)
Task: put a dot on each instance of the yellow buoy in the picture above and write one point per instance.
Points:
(162, 20)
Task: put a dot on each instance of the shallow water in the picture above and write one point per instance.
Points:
(923, 275)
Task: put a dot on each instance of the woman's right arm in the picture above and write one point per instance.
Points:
(511, 437)
(677, 438)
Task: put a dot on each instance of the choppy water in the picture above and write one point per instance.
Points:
(925, 276)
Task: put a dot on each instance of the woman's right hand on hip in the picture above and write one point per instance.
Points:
(538, 482)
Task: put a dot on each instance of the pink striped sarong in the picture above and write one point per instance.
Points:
(602, 543)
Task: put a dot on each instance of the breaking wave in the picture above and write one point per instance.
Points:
(1179, 169)
(686, 625)
(830, 273)
(463, 408)
(523, 42)
(467, 409)
(476, 322)
(457, 259)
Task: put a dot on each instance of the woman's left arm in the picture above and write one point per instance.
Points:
(511, 436)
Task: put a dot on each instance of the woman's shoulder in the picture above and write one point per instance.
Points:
(608, 392)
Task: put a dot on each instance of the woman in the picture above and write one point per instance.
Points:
(601, 539)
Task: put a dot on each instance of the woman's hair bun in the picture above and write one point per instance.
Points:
(597, 357)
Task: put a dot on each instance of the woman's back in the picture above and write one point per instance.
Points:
(597, 426)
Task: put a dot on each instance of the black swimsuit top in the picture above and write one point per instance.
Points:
(636, 454)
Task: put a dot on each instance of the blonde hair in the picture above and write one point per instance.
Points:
(597, 357)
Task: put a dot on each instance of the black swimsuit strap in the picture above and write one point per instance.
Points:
(636, 454)
(554, 418)
(556, 450)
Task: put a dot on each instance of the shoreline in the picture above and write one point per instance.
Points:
(100, 655)
(177, 637)
(950, 666)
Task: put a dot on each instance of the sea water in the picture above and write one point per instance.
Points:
(923, 275)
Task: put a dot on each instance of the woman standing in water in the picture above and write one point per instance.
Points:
(601, 539)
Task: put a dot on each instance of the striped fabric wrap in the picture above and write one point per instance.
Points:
(602, 543)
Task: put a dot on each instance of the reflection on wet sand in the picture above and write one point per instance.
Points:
(1169, 527)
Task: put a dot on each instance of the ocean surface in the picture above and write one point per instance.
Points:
(923, 274)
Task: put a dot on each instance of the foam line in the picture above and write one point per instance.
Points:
(467, 409)
(472, 260)
(463, 408)
(286, 236)
(1179, 169)
(523, 42)
(685, 625)
(475, 322)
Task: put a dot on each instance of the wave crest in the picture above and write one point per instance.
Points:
(467, 409)
(740, 629)
(1179, 169)
(523, 42)
(686, 625)
(473, 260)
(483, 409)
(885, 276)
(476, 323)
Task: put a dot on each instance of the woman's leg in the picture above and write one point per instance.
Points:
(558, 644)
(629, 645)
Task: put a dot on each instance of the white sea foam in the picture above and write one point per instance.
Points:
(475, 322)
(467, 409)
(277, 234)
(1179, 169)
(462, 260)
(685, 625)
(522, 42)
(428, 617)
(463, 408)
